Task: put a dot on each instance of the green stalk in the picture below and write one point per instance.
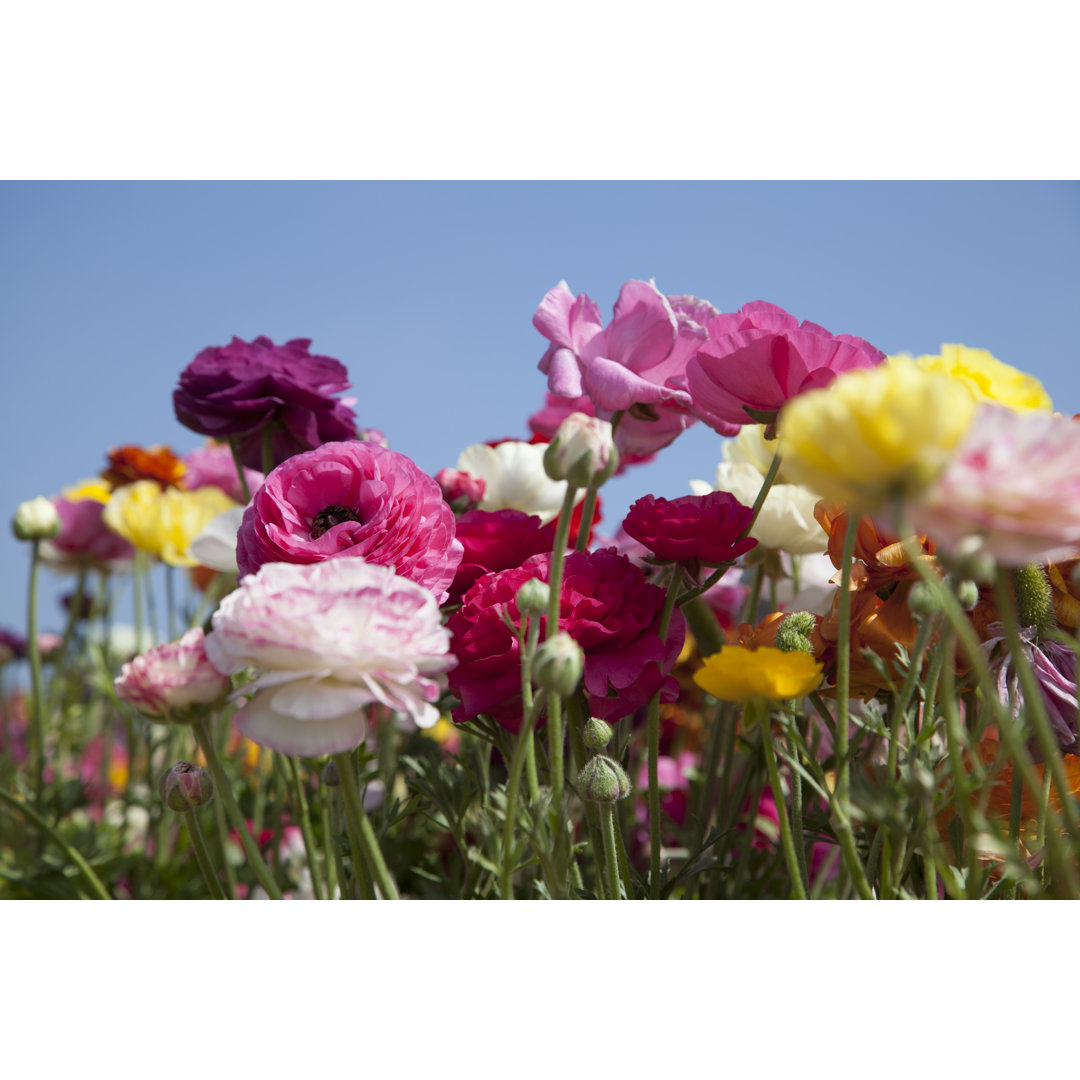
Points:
(786, 842)
(513, 784)
(37, 697)
(611, 859)
(843, 666)
(362, 837)
(310, 849)
(202, 856)
(267, 439)
(587, 511)
(235, 448)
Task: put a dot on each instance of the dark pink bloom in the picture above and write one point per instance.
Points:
(239, 389)
(497, 540)
(606, 606)
(352, 499)
(84, 539)
(704, 527)
(760, 357)
(213, 466)
(460, 489)
(637, 362)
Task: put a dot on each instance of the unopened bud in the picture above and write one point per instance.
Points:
(582, 452)
(793, 634)
(1034, 601)
(596, 734)
(923, 601)
(185, 787)
(533, 597)
(967, 594)
(36, 519)
(558, 664)
(330, 776)
(603, 780)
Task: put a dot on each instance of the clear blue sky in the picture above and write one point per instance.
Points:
(426, 291)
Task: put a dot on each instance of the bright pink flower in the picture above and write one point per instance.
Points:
(329, 640)
(352, 499)
(704, 527)
(237, 390)
(607, 607)
(170, 679)
(84, 539)
(213, 466)
(497, 540)
(761, 357)
(639, 359)
(1011, 489)
(460, 489)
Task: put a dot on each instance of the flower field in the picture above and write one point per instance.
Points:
(844, 667)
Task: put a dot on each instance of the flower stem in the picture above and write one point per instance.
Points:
(513, 784)
(588, 509)
(267, 439)
(223, 789)
(786, 842)
(611, 858)
(843, 666)
(305, 827)
(37, 695)
(235, 448)
(361, 835)
(202, 856)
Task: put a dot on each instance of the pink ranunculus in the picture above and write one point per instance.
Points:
(606, 606)
(497, 540)
(1011, 489)
(352, 499)
(461, 490)
(704, 527)
(637, 362)
(328, 641)
(84, 538)
(169, 680)
(239, 389)
(213, 466)
(760, 357)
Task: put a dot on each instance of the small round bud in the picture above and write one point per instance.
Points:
(533, 597)
(330, 776)
(922, 601)
(603, 780)
(36, 519)
(793, 634)
(185, 786)
(558, 664)
(967, 594)
(596, 733)
(582, 452)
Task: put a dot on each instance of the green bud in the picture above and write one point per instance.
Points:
(582, 452)
(603, 780)
(967, 594)
(793, 634)
(923, 601)
(533, 597)
(1034, 598)
(185, 787)
(36, 519)
(596, 734)
(558, 664)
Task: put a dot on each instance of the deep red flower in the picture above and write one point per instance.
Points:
(497, 540)
(703, 527)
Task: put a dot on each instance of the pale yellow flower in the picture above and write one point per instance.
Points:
(94, 489)
(988, 378)
(874, 435)
(164, 522)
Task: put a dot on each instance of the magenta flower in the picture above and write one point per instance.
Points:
(169, 680)
(761, 357)
(461, 490)
(639, 359)
(239, 389)
(1011, 489)
(607, 607)
(497, 540)
(328, 641)
(704, 527)
(352, 499)
(213, 466)
(84, 538)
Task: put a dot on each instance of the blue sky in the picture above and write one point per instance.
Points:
(426, 291)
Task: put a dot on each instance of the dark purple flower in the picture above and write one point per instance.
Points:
(237, 390)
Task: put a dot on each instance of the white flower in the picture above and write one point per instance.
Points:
(215, 546)
(514, 478)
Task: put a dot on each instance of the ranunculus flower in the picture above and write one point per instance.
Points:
(639, 359)
(738, 674)
(215, 545)
(329, 640)
(761, 357)
(168, 680)
(462, 491)
(497, 540)
(237, 390)
(128, 464)
(352, 499)
(582, 451)
(606, 606)
(874, 435)
(213, 466)
(1012, 488)
(705, 527)
(84, 538)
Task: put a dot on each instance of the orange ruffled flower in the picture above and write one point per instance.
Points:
(130, 463)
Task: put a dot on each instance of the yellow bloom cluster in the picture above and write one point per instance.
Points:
(738, 674)
(164, 522)
(875, 434)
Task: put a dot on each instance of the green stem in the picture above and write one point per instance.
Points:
(587, 511)
(513, 784)
(361, 835)
(798, 836)
(83, 866)
(235, 448)
(331, 853)
(611, 859)
(300, 799)
(843, 665)
(223, 789)
(202, 856)
(786, 842)
(267, 439)
(37, 696)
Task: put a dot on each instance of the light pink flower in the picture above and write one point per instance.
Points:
(168, 680)
(638, 361)
(1011, 489)
(329, 640)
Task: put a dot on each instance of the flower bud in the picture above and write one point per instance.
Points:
(596, 734)
(967, 594)
(36, 519)
(462, 491)
(793, 634)
(185, 787)
(330, 776)
(922, 601)
(603, 780)
(558, 664)
(1034, 598)
(582, 452)
(533, 597)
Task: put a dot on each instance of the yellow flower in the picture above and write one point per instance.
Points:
(874, 434)
(738, 674)
(94, 489)
(164, 522)
(988, 378)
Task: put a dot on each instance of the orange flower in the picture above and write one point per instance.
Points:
(1066, 595)
(130, 463)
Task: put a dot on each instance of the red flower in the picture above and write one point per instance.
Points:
(497, 540)
(704, 527)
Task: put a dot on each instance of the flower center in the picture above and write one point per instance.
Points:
(329, 516)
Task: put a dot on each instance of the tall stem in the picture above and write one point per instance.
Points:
(235, 448)
(37, 728)
(611, 858)
(361, 835)
(786, 842)
(202, 856)
(300, 799)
